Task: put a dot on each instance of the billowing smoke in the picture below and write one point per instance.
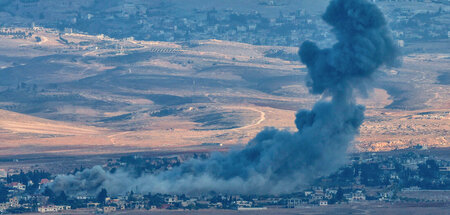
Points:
(279, 161)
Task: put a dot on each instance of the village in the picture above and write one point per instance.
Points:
(409, 177)
(410, 23)
(106, 34)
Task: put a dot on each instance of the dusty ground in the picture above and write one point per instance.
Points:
(97, 91)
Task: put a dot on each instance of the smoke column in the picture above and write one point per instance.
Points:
(278, 161)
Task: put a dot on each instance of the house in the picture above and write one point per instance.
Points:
(139, 206)
(394, 176)
(63, 207)
(109, 209)
(14, 202)
(386, 196)
(3, 173)
(40, 199)
(44, 181)
(332, 191)
(293, 203)
(184, 203)
(348, 196)
(441, 169)
(92, 204)
(110, 200)
(53, 208)
(17, 186)
(46, 209)
(171, 199)
(85, 197)
(328, 195)
(358, 196)
(241, 203)
(121, 205)
(318, 190)
(4, 206)
(316, 197)
(217, 205)
(203, 202)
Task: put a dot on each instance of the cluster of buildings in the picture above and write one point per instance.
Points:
(53, 208)
(287, 29)
(18, 194)
(253, 28)
(14, 206)
(368, 177)
(15, 33)
(410, 22)
(323, 197)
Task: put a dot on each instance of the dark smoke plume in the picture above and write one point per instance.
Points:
(279, 161)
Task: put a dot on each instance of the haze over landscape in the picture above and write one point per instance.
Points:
(155, 94)
(84, 82)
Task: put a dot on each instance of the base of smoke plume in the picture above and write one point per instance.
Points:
(275, 161)
(278, 161)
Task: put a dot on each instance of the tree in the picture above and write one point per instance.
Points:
(102, 196)
(3, 193)
(429, 170)
(61, 199)
(51, 195)
(31, 189)
(131, 196)
(339, 195)
(156, 200)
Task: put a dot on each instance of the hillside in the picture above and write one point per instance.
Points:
(85, 90)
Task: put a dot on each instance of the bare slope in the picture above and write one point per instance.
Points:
(95, 90)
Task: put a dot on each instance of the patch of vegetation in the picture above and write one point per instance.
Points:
(128, 59)
(170, 100)
(122, 117)
(281, 54)
(444, 78)
(213, 121)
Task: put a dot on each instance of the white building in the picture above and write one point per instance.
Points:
(294, 203)
(53, 208)
(3, 173)
(18, 186)
(358, 196)
(4, 207)
(109, 209)
(323, 203)
(243, 204)
(14, 202)
(171, 200)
